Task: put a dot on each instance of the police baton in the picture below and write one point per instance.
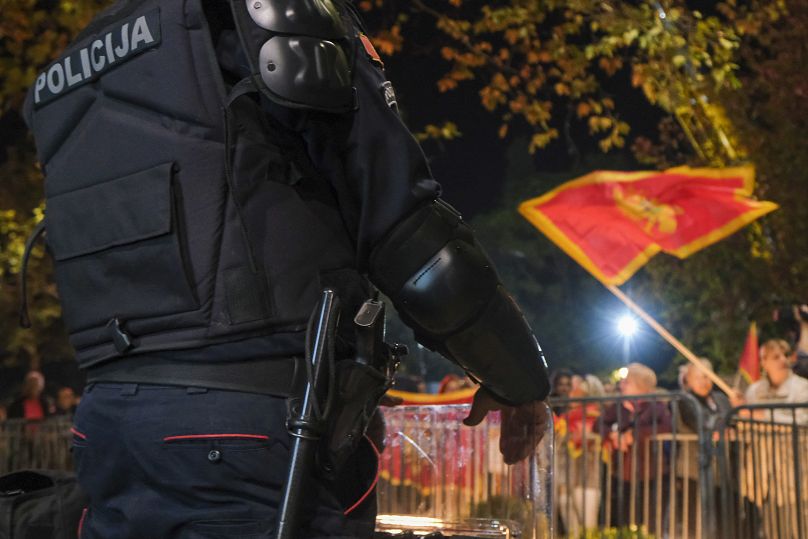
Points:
(306, 422)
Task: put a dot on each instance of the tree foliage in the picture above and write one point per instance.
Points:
(542, 66)
(716, 292)
(32, 33)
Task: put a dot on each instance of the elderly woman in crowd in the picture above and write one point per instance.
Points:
(629, 428)
(712, 405)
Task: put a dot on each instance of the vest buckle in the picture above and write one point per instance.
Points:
(120, 338)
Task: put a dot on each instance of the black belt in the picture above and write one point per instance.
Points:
(280, 377)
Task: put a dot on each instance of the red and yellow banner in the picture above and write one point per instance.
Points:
(749, 364)
(461, 396)
(613, 222)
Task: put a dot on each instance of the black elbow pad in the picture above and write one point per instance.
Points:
(445, 288)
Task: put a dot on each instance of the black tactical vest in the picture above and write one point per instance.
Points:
(176, 219)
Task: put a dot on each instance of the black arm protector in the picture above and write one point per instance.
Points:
(445, 288)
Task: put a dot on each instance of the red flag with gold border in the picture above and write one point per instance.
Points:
(613, 222)
(749, 364)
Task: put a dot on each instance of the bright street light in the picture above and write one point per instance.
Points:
(627, 326)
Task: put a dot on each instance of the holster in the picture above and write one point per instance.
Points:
(358, 392)
(360, 384)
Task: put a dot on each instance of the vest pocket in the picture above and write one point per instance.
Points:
(117, 250)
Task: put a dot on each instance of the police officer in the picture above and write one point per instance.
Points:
(211, 166)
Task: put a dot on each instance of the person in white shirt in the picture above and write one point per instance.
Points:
(779, 386)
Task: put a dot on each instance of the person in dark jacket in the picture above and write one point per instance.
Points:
(629, 427)
(239, 158)
(712, 403)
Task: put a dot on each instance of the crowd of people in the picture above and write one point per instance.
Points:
(34, 403)
(606, 434)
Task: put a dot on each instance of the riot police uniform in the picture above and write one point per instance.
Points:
(210, 167)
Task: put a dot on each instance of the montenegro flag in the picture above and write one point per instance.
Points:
(613, 222)
(749, 365)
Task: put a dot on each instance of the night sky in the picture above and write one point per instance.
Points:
(472, 167)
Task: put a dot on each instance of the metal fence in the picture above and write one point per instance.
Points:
(35, 444)
(625, 463)
(629, 463)
(635, 465)
(763, 455)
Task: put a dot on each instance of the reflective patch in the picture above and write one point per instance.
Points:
(389, 94)
(120, 44)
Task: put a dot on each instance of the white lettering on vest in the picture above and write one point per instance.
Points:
(121, 51)
(122, 43)
(140, 32)
(85, 63)
(72, 78)
(108, 45)
(56, 78)
(41, 80)
(98, 59)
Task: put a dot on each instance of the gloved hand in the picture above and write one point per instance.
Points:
(523, 426)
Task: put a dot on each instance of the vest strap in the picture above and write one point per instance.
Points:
(242, 87)
(25, 320)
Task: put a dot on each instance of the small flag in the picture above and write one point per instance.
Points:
(749, 364)
(613, 222)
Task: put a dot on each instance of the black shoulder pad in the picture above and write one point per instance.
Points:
(315, 18)
(297, 52)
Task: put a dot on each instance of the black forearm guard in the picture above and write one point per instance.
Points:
(445, 288)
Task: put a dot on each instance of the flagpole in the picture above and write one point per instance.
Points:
(665, 334)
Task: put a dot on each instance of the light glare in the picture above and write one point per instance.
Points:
(627, 326)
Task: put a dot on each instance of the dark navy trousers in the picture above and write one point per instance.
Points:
(189, 463)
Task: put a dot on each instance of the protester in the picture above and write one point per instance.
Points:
(712, 405)
(779, 386)
(31, 405)
(579, 495)
(560, 386)
(768, 478)
(66, 401)
(628, 428)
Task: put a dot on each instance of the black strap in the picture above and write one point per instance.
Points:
(25, 321)
(242, 87)
(7, 504)
(280, 377)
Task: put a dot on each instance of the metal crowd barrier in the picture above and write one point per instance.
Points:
(438, 475)
(35, 444)
(628, 464)
(651, 477)
(763, 455)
